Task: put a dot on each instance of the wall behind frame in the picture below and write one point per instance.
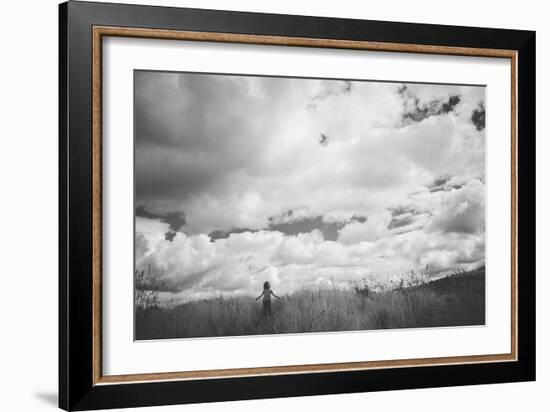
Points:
(28, 211)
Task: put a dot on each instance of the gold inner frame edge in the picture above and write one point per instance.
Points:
(98, 32)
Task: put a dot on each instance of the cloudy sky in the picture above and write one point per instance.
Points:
(304, 182)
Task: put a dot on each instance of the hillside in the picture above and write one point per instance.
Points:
(457, 300)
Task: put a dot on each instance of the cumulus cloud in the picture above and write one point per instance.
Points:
(243, 178)
(375, 227)
(194, 266)
(463, 210)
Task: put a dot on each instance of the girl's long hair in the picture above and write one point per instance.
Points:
(266, 285)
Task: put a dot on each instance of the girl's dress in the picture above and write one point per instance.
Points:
(267, 302)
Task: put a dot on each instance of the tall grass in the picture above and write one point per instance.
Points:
(453, 301)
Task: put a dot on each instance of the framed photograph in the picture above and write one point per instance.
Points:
(256, 205)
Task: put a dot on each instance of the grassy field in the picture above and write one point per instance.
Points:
(456, 300)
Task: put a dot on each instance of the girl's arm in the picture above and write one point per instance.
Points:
(273, 293)
(261, 294)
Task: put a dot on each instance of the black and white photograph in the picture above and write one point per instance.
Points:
(272, 205)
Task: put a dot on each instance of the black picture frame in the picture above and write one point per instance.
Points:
(77, 390)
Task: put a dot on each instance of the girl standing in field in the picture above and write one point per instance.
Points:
(267, 292)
